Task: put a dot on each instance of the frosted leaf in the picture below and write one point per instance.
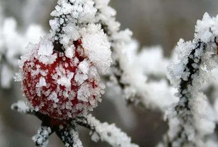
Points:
(17, 77)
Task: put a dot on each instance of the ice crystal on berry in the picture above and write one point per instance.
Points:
(57, 85)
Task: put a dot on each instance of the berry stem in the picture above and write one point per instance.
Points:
(66, 135)
(41, 138)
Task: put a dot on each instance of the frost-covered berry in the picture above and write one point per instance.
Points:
(61, 85)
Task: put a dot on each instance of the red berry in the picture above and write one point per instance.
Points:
(62, 87)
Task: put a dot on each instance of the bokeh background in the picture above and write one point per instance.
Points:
(153, 22)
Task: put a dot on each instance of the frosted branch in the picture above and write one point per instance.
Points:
(22, 107)
(65, 130)
(41, 138)
(69, 136)
(105, 132)
(195, 61)
(127, 70)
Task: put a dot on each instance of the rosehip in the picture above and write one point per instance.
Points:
(60, 86)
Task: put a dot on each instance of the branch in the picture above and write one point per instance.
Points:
(196, 59)
(69, 136)
(130, 78)
(41, 138)
(105, 132)
(64, 129)
(22, 107)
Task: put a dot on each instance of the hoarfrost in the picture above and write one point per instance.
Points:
(45, 47)
(41, 82)
(95, 42)
(109, 133)
(84, 67)
(195, 61)
(84, 92)
(41, 138)
(21, 107)
(45, 52)
(65, 81)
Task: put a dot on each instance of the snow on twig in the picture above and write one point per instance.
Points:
(41, 138)
(22, 107)
(195, 61)
(105, 132)
(132, 76)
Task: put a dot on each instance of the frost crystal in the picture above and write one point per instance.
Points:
(109, 133)
(98, 48)
(41, 138)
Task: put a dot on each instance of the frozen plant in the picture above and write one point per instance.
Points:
(61, 75)
(133, 70)
(192, 119)
(64, 76)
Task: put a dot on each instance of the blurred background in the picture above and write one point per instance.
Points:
(153, 22)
